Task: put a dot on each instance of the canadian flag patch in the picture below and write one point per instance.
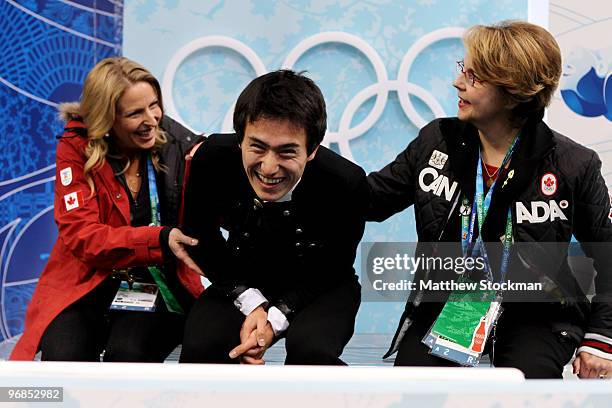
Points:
(73, 200)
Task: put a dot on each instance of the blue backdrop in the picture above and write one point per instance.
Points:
(399, 53)
(47, 48)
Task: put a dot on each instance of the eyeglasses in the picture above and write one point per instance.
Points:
(469, 74)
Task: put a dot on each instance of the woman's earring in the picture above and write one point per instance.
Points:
(106, 135)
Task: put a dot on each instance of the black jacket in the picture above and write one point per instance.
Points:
(291, 251)
(172, 156)
(180, 140)
(575, 203)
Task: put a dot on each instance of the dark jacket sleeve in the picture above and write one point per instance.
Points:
(333, 263)
(185, 136)
(392, 188)
(172, 155)
(593, 228)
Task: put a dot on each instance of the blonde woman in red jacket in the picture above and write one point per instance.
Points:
(117, 196)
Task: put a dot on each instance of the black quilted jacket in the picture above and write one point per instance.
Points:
(554, 189)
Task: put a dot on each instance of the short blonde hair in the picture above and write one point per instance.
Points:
(103, 87)
(523, 59)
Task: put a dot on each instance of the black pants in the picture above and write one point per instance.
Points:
(524, 341)
(86, 328)
(317, 334)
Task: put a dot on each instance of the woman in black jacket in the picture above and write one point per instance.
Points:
(513, 192)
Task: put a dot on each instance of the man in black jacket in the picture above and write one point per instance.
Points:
(294, 213)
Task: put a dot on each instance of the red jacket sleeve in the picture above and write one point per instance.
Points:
(95, 229)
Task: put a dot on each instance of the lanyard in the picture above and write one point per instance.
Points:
(171, 302)
(153, 196)
(480, 208)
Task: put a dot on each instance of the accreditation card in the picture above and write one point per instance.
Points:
(463, 326)
(140, 297)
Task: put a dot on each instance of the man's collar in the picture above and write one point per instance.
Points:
(288, 196)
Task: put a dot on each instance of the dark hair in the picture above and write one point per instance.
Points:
(283, 95)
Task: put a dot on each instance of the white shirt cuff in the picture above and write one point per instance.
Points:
(277, 320)
(596, 344)
(249, 300)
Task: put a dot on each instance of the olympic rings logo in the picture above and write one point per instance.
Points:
(380, 89)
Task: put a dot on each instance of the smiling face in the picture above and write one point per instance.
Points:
(274, 156)
(137, 116)
(481, 104)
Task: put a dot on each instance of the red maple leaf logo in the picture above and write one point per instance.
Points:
(549, 182)
(71, 200)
